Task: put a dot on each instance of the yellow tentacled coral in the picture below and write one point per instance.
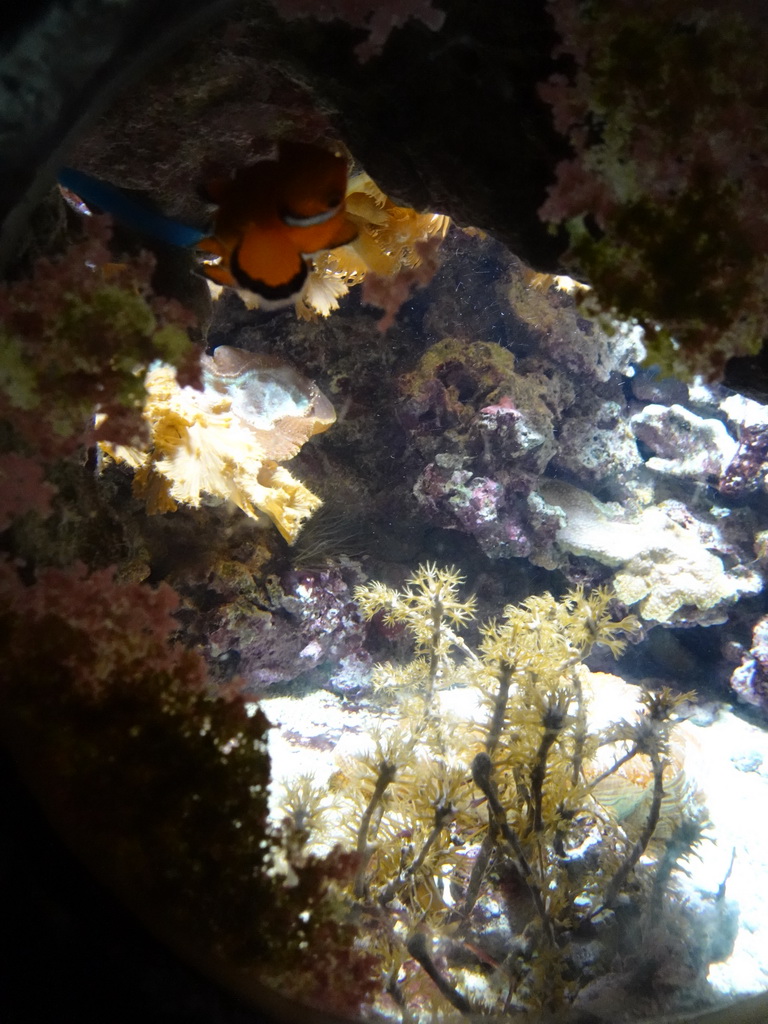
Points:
(391, 239)
(229, 439)
(566, 798)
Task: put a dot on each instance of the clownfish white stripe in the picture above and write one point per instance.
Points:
(305, 222)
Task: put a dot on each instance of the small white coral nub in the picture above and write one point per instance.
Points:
(255, 412)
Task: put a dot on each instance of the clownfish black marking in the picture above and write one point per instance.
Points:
(272, 215)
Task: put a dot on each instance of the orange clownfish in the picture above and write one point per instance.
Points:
(271, 216)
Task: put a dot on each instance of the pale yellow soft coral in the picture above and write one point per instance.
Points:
(391, 240)
(387, 234)
(228, 440)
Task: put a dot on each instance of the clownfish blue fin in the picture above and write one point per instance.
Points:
(127, 210)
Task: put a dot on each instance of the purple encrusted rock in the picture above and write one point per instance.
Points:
(507, 432)
(750, 679)
(746, 472)
(596, 444)
(508, 520)
(313, 622)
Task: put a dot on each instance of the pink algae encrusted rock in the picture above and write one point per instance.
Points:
(476, 505)
(507, 519)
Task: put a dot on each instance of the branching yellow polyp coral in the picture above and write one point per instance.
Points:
(228, 440)
(498, 828)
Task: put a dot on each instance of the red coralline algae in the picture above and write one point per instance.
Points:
(378, 18)
(663, 197)
(23, 488)
(160, 786)
(77, 334)
(103, 631)
(75, 339)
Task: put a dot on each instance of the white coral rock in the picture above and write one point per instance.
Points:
(664, 560)
(686, 445)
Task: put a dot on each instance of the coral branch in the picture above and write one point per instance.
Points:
(639, 847)
(499, 707)
(553, 721)
(579, 728)
(480, 866)
(443, 815)
(615, 766)
(387, 772)
(417, 947)
(481, 773)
